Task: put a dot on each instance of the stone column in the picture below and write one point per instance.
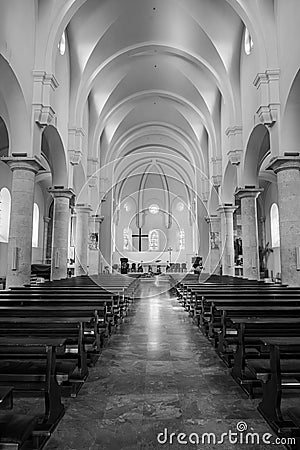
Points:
(60, 234)
(100, 261)
(45, 236)
(94, 251)
(288, 181)
(82, 238)
(248, 198)
(106, 237)
(20, 231)
(214, 256)
(227, 250)
(262, 231)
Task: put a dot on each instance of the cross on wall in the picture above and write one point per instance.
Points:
(140, 236)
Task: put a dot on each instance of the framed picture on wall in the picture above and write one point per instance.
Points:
(93, 241)
(214, 240)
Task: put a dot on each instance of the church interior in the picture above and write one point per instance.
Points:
(149, 224)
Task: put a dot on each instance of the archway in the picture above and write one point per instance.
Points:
(257, 149)
(53, 150)
(290, 130)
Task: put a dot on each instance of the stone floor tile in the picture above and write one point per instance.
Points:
(158, 372)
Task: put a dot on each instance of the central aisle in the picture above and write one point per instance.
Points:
(157, 372)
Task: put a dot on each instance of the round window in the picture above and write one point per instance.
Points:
(154, 209)
(127, 207)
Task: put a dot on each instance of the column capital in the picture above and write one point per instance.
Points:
(248, 192)
(96, 218)
(83, 208)
(212, 219)
(235, 156)
(290, 161)
(24, 162)
(61, 191)
(227, 208)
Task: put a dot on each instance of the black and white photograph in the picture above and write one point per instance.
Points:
(149, 224)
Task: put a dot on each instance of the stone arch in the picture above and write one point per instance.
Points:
(257, 148)
(214, 201)
(4, 139)
(14, 110)
(290, 130)
(80, 184)
(229, 184)
(53, 150)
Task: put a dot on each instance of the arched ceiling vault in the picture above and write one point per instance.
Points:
(154, 133)
(178, 175)
(63, 13)
(171, 169)
(141, 64)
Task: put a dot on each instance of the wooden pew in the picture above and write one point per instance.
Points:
(107, 283)
(250, 332)
(277, 374)
(112, 301)
(118, 303)
(63, 312)
(39, 376)
(192, 294)
(16, 432)
(208, 311)
(66, 323)
(6, 397)
(243, 317)
(227, 336)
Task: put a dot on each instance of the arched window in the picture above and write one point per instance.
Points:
(153, 241)
(274, 218)
(154, 208)
(62, 44)
(126, 239)
(248, 42)
(5, 205)
(181, 240)
(180, 206)
(35, 225)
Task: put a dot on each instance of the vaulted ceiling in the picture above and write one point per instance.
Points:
(156, 75)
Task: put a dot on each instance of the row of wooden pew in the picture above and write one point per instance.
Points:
(49, 336)
(255, 329)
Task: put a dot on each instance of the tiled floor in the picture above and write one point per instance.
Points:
(157, 373)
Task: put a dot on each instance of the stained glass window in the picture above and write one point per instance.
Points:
(153, 240)
(126, 239)
(181, 240)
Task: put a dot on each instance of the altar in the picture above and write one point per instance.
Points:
(147, 258)
(153, 261)
(155, 268)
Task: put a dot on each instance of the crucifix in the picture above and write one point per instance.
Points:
(140, 236)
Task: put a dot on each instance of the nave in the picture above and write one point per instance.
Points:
(158, 371)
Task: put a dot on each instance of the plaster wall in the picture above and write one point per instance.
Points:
(17, 34)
